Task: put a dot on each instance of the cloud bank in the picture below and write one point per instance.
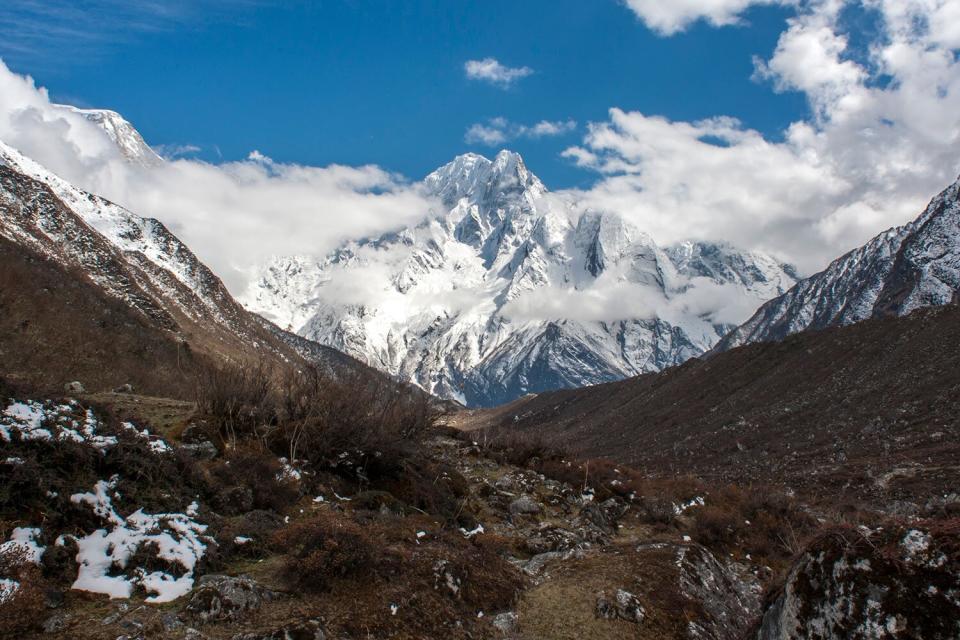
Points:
(235, 215)
(883, 138)
(490, 70)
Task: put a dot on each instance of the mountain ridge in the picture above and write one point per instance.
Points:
(898, 271)
(491, 297)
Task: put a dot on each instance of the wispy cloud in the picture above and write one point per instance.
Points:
(174, 151)
(490, 70)
(36, 30)
(499, 130)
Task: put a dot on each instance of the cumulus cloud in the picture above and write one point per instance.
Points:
(234, 215)
(497, 131)
(490, 70)
(673, 16)
(884, 137)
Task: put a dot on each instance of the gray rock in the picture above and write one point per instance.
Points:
(309, 630)
(170, 621)
(55, 623)
(525, 505)
(623, 605)
(73, 387)
(201, 451)
(124, 388)
(220, 597)
(506, 622)
(194, 434)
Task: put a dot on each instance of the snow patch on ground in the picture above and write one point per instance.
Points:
(24, 540)
(104, 554)
(50, 421)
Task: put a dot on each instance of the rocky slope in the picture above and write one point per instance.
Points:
(900, 270)
(133, 533)
(78, 265)
(506, 291)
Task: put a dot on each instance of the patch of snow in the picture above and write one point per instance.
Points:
(289, 473)
(8, 588)
(23, 539)
(175, 537)
(242, 540)
(473, 532)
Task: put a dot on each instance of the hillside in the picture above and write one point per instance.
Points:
(865, 412)
(86, 282)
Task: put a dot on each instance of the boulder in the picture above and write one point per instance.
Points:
(201, 451)
(623, 605)
(506, 622)
(891, 583)
(220, 597)
(194, 434)
(73, 387)
(309, 630)
(525, 505)
(124, 388)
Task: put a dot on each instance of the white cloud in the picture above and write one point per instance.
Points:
(611, 299)
(668, 17)
(234, 215)
(490, 70)
(496, 131)
(883, 139)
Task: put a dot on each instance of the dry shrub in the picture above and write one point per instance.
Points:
(324, 548)
(237, 399)
(361, 425)
(21, 613)
(254, 469)
(762, 522)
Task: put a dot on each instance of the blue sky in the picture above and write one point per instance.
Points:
(383, 82)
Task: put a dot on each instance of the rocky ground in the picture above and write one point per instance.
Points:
(493, 544)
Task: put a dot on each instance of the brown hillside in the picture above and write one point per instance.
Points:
(866, 411)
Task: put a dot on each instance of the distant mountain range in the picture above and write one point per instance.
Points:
(506, 291)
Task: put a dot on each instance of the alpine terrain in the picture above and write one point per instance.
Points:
(497, 295)
(104, 270)
(900, 270)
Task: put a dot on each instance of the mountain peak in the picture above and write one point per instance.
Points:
(479, 179)
(128, 140)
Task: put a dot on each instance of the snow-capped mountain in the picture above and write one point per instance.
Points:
(128, 140)
(506, 291)
(900, 270)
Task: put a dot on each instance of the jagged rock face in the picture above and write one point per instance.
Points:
(900, 270)
(489, 299)
(878, 585)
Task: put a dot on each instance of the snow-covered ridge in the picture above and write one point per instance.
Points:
(898, 271)
(510, 290)
(128, 140)
(95, 232)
